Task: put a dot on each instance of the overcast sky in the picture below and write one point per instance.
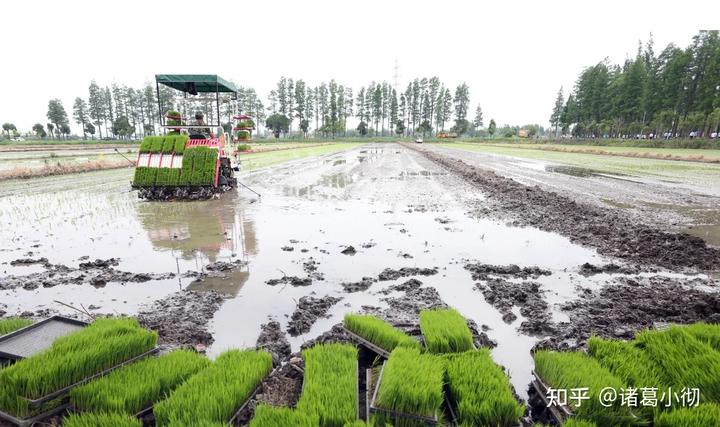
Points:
(514, 55)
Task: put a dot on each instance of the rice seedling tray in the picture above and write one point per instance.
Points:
(33, 420)
(367, 344)
(559, 412)
(357, 374)
(247, 401)
(431, 421)
(54, 395)
(37, 337)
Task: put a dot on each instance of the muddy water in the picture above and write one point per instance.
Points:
(396, 208)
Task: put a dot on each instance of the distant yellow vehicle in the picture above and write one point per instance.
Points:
(523, 133)
(447, 135)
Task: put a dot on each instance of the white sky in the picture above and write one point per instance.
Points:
(514, 55)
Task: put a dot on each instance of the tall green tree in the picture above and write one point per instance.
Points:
(80, 114)
(478, 121)
(556, 115)
(57, 115)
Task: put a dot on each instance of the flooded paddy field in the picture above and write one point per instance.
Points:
(376, 228)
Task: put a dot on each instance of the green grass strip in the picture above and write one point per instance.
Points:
(575, 422)
(570, 370)
(379, 332)
(445, 331)
(330, 389)
(705, 415)
(412, 383)
(683, 360)
(275, 416)
(138, 386)
(482, 391)
(706, 332)
(627, 361)
(101, 420)
(216, 393)
(13, 324)
(72, 358)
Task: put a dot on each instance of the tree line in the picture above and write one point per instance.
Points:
(674, 93)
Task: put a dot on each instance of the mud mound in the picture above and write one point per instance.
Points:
(273, 340)
(308, 310)
(409, 285)
(504, 295)
(290, 280)
(612, 232)
(390, 274)
(483, 271)
(28, 261)
(362, 285)
(182, 318)
(588, 269)
(96, 273)
(630, 305)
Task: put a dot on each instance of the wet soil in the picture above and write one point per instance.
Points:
(621, 309)
(308, 310)
(362, 285)
(528, 296)
(608, 230)
(97, 273)
(273, 340)
(182, 318)
(392, 274)
(483, 271)
(588, 269)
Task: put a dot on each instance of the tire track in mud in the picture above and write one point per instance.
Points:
(609, 231)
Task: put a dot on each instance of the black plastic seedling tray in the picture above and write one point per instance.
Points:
(560, 413)
(33, 420)
(362, 341)
(249, 398)
(431, 421)
(37, 337)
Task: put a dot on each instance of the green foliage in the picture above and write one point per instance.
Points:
(199, 166)
(214, 394)
(379, 332)
(683, 360)
(705, 415)
(244, 147)
(138, 386)
(412, 382)
(157, 144)
(101, 420)
(568, 370)
(274, 416)
(445, 331)
(627, 361)
(72, 358)
(331, 384)
(13, 324)
(482, 390)
(248, 123)
(173, 113)
(278, 123)
(707, 333)
(576, 422)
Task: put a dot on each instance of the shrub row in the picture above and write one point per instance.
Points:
(72, 358)
(330, 390)
(138, 386)
(379, 332)
(445, 331)
(212, 396)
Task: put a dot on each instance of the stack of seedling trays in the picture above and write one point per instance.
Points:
(667, 360)
(243, 128)
(37, 387)
(447, 378)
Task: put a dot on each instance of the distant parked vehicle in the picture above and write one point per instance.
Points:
(418, 140)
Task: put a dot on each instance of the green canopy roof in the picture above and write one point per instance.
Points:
(203, 82)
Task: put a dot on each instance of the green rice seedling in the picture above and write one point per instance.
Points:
(705, 415)
(101, 420)
(157, 144)
(146, 144)
(275, 416)
(574, 370)
(706, 332)
(168, 144)
(162, 178)
(180, 142)
(72, 358)
(330, 389)
(13, 324)
(139, 178)
(214, 394)
(576, 422)
(411, 383)
(481, 390)
(138, 386)
(627, 361)
(174, 177)
(357, 423)
(379, 332)
(683, 360)
(445, 331)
